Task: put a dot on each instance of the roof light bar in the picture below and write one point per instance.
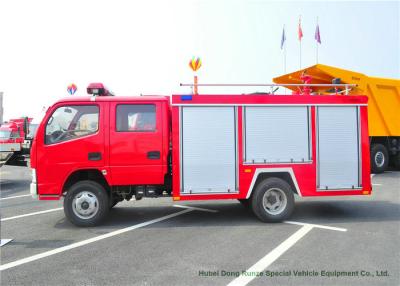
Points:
(98, 89)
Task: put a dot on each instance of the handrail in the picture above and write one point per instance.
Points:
(347, 87)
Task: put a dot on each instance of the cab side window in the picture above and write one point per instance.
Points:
(136, 118)
(70, 122)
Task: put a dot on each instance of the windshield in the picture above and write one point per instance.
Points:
(69, 122)
(8, 134)
(5, 134)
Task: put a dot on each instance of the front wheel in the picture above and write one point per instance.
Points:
(272, 200)
(86, 203)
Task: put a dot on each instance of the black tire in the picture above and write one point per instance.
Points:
(396, 161)
(277, 188)
(245, 202)
(379, 158)
(94, 192)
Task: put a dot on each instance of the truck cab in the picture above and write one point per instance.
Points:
(102, 149)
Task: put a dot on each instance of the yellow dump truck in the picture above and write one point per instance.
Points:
(383, 106)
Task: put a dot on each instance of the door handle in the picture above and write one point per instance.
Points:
(153, 155)
(94, 156)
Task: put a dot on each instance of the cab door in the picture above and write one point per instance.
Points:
(71, 139)
(136, 143)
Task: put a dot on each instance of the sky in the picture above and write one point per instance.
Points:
(143, 47)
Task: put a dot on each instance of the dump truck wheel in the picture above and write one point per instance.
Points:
(86, 203)
(396, 161)
(272, 200)
(379, 158)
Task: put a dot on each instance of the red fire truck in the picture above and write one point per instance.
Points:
(261, 149)
(15, 141)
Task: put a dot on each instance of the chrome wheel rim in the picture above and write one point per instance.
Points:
(274, 201)
(379, 159)
(85, 205)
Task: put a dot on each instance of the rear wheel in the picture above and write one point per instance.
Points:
(86, 203)
(272, 200)
(379, 158)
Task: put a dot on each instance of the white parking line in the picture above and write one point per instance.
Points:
(372, 175)
(4, 241)
(88, 241)
(316, 225)
(58, 209)
(30, 214)
(14, 197)
(195, 208)
(268, 259)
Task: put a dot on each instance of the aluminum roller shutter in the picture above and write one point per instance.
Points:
(209, 149)
(338, 147)
(277, 134)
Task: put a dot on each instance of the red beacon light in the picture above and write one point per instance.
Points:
(98, 89)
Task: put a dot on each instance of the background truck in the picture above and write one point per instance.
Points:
(383, 106)
(260, 149)
(16, 137)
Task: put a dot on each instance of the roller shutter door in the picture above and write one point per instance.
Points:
(338, 147)
(208, 141)
(277, 134)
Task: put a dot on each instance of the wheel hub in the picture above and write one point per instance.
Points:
(379, 159)
(274, 201)
(85, 205)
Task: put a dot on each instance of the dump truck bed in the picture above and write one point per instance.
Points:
(383, 94)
